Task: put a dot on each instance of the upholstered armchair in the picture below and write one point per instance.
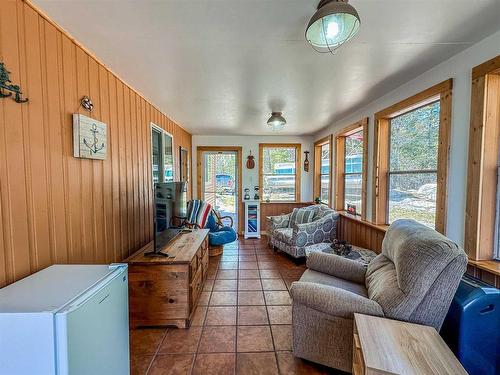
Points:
(303, 227)
(414, 279)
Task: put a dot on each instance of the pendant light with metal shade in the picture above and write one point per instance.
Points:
(334, 23)
(276, 121)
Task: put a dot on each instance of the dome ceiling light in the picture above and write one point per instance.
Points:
(334, 23)
(276, 121)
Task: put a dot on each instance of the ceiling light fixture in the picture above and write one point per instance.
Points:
(276, 121)
(334, 23)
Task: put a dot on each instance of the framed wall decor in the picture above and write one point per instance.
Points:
(90, 138)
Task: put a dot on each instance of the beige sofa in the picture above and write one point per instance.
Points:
(413, 279)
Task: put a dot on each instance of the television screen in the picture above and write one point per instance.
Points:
(169, 207)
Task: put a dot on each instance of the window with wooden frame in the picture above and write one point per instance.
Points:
(411, 146)
(322, 185)
(279, 174)
(351, 167)
(482, 222)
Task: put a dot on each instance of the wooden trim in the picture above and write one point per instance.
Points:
(489, 67)
(239, 157)
(340, 165)
(317, 168)
(298, 165)
(484, 142)
(441, 91)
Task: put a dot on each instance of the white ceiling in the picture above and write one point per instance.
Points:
(221, 66)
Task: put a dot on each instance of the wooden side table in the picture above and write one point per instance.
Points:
(385, 346)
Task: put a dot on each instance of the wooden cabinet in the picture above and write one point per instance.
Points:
(384, 346)
(165, 291)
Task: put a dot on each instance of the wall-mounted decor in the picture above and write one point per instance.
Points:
(5, 84)
(250, 161)
(306, 162)
(87, 103)
(89, 138)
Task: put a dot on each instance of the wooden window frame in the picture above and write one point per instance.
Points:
(484, 142)
(298, 166)
(442, 92)
(317, 167)
(361, 125)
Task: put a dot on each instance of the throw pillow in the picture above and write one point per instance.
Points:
(302, 215)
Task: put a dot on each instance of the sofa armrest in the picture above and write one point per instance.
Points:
(337, 266)
(333, 301)
(278, 221)
(307, 232)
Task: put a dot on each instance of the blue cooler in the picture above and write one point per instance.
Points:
(472, 327)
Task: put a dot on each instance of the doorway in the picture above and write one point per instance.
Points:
(219, 180)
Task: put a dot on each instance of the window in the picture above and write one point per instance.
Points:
(482, 224)
(351, 166)
(162, 155)
(280, 172)
(411, 162)
(322, 169)
(353, 171)
(413, 155)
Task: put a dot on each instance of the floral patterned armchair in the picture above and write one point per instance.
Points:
(303, 227)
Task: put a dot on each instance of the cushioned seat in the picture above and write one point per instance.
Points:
(223, 236)
(316, 277)
(284, 235)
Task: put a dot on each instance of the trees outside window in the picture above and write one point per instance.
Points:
(353, 171)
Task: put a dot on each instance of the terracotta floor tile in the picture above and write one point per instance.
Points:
(218, 340)
(209, 284)
(228, 265)
(247, 258)
(223, 298)
(292, 274)
(267, 265)
(247, 251)
(273, 284)
(248, 274)
(291, 365)
(288, 283)
(257, 364)
(225, 285)
(282, 337)
(179, 364)
(180, 341)
(280, 314)
(254, 339)
(139, 364)
(252, 315)
(204, 298)
(247, 246)
(252, 298)
(265, 257)
(248, 266)
(277, 297)
(270, 274)
(229, 258)
(227, 274)
(215, 364)
(146, 340)
(199, 316)
(211, 274)
(249, 284)
(221, 316)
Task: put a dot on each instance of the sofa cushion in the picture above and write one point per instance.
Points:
(302, 215)
(284, 235)
(325, 279)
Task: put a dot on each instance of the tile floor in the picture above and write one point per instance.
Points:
(242, 324)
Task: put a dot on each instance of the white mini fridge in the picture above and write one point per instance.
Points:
(66, 319)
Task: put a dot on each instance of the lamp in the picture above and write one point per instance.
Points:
(334, 23)
(276, 121)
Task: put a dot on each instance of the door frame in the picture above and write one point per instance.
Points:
(199, 161)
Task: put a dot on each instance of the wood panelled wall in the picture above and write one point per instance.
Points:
(360, 233)
(56, 208)
(277, 208)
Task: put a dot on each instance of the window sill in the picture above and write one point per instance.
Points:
(492, 266)
(285, 202)
(382, 228)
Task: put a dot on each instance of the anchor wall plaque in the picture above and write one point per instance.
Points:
(89, 138)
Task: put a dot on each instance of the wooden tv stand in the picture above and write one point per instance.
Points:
(165, 291)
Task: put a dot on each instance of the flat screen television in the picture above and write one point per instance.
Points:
(169, 207)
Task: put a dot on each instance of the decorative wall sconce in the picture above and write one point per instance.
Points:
(5, 84)
(87, 103)
(306, 162)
